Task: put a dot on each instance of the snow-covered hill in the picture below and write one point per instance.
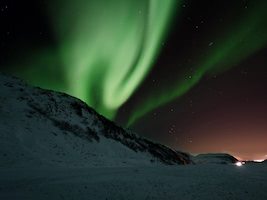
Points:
(43, 128)
(51, 147)
(214, 158)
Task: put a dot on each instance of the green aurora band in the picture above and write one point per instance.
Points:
(107, 46)
(240, 42)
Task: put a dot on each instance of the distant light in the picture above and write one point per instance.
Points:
(258, 160)
(239, 164)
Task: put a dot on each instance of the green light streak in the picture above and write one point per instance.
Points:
(241, 41)
(108, 46)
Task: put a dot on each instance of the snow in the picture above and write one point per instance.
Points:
(42, 128)
(52, 146)
(184, 182)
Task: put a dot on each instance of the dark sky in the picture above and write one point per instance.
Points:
(222, 44)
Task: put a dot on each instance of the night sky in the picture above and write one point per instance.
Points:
(189, 74)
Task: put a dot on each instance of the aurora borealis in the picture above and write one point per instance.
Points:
(101, 37)
(238, 44)
(139, 63)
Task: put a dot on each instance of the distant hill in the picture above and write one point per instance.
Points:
(214, 158)
(43, 128)
(210, 158)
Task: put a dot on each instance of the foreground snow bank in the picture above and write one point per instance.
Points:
(185, 182)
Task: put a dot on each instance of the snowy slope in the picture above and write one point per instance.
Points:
(41, 128)
(214, 158)
(186, 156)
